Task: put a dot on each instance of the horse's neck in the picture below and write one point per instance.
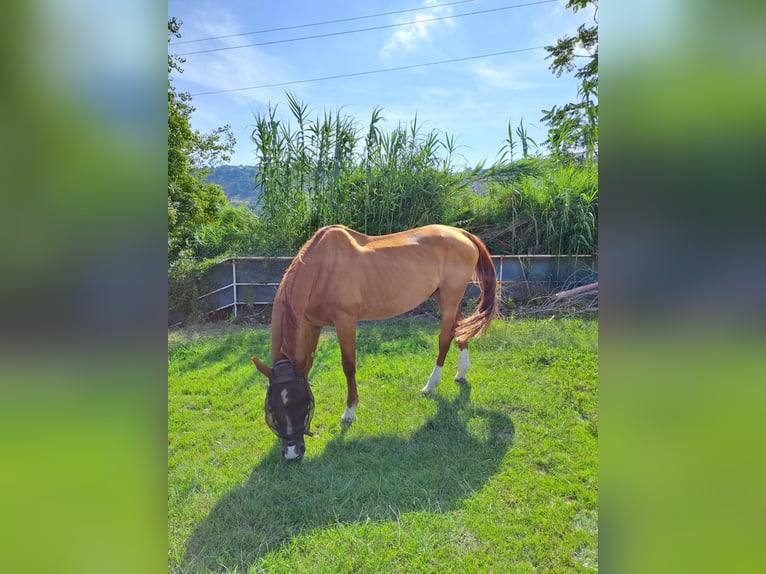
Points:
(294, 348)
(287, 335)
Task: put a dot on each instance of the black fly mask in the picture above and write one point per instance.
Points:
(289, 404)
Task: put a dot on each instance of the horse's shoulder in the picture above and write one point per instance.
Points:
(435, 229)
(338, 234)
(441, 232)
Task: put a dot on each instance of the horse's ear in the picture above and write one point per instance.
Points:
(262, 367)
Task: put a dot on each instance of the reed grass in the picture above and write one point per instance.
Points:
(327, 170)
(552, 208)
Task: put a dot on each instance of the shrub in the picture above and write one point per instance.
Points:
(552, 211)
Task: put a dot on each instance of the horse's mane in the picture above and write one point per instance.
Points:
(286, 301)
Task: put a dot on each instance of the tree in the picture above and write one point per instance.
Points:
(191, 201)
(573, 128)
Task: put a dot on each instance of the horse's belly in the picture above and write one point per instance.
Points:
(369, 293)
(392, 304)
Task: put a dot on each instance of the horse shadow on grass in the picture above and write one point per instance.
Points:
(364, 479)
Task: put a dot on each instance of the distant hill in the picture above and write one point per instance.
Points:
(238, 183)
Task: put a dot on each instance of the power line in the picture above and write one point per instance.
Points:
(321, 23)
(367, 29)
(369, 72)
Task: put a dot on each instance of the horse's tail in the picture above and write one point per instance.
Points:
(485, 311)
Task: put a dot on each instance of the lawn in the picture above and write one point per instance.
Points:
(500, 475)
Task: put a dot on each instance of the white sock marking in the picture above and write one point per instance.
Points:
(349, 416)
(463, 365)
(433, 380)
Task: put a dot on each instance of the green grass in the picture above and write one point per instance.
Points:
(496, 476)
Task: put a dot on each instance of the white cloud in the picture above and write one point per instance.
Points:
(498, 77)
(408, 38)
(229, 69)
(236, 69)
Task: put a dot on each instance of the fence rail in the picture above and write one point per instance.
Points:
(238, 281)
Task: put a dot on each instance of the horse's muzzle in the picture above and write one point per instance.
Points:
(294, 452)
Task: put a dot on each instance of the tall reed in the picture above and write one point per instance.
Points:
(327, 170)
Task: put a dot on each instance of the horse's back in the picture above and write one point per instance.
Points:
(375, 277)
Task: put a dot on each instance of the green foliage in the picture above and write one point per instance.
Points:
(233, 231)
(530, 206)
(500, 475)
(186, 282)
(509, 146)
(191, 202)
(573, 128)
(551, 209)
(327, 171)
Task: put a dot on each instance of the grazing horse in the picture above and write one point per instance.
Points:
(341, 276)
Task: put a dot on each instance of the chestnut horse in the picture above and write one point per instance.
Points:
(341, 276)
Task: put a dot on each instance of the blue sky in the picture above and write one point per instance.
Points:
(472, 100)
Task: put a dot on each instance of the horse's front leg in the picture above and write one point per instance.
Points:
(346, 331)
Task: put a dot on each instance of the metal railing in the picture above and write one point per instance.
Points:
(238, 281)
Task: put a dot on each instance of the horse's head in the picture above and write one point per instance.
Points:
(289, 406)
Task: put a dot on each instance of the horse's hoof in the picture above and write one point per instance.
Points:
(348, 417)
(461, 380)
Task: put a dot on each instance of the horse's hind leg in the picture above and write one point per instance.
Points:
(449, 310)
(463, 363)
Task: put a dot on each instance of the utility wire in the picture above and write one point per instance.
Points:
(367, 72)
(366, 29)
(321, 23)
